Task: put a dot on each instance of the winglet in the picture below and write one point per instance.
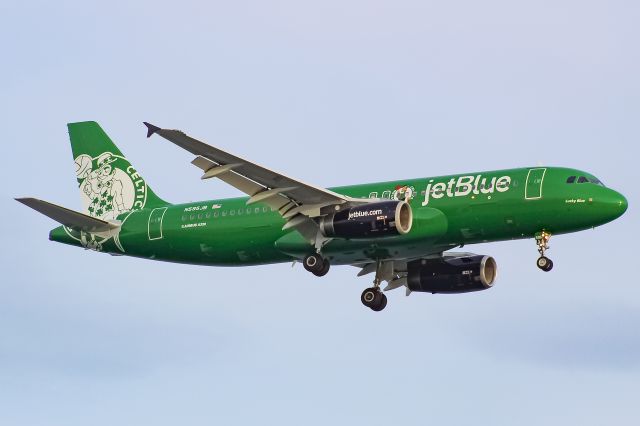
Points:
(151, 129)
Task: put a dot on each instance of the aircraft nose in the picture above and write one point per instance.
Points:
(623, 203)
(616, 204)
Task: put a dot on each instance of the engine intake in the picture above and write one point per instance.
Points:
(460, 274)
(383, 219)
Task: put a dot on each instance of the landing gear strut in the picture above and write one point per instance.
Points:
(542, 240)
(373, 297)
(316, 264)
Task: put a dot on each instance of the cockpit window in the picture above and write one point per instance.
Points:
(584, 179)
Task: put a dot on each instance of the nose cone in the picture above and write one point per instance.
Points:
(623, 204)
(614, 205)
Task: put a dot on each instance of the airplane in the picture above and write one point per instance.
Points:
(401, 231)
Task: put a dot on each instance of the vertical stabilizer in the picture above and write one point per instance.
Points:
(109, 184)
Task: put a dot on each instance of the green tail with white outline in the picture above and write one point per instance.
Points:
(109, 184)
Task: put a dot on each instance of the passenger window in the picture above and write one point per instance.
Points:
(200, 216)
(224, 213)
(193, 216)
(240, 211)
(582, 179)
(264, 209)
(215, 214)
(232, 212)
(373, 195)
(386, 194)
(257, 210)
(184, 218)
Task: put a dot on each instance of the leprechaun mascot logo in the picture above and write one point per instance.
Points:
(403, 193)
(109, 187)
(107, 190)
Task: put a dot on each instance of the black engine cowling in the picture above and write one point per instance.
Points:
(452, 274)
(383, 219)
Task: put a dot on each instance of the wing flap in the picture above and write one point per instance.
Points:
(68, 217)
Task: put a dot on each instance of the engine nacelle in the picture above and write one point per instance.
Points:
(459, 274)
(383, 219)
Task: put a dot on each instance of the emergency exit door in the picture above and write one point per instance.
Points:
(535, 178)
(155, 223)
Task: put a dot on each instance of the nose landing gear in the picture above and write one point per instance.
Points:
(544, 263)
(542, 241)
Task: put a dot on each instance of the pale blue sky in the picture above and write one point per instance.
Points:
(334, 93)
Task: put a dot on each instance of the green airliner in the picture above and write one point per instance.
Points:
(401, 231)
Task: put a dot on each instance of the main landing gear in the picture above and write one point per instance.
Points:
(316, 264)
(373, 297)
(542, 240)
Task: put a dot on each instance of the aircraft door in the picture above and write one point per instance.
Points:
(533, 188)
(155, 223)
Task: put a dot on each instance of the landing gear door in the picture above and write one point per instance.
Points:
(155, 223)
(533, 189)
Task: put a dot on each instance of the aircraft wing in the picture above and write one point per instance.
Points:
(70, 218)
(296, 201)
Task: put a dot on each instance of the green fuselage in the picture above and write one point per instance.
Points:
(448, 211)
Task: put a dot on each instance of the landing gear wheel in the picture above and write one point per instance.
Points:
(542, 241)
(368, 296)
(311, 262)
(382, 302)
(316, 264)
(325, 268)
(544, 263)
(374, 298)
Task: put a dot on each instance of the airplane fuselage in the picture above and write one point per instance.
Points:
(448, 211)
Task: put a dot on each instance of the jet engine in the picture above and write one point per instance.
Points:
(383, 219)
(453, 274)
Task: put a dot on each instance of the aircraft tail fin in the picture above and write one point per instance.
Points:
(109, 184)
(69, 218)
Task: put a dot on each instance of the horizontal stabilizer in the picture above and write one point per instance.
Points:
(70, 218)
